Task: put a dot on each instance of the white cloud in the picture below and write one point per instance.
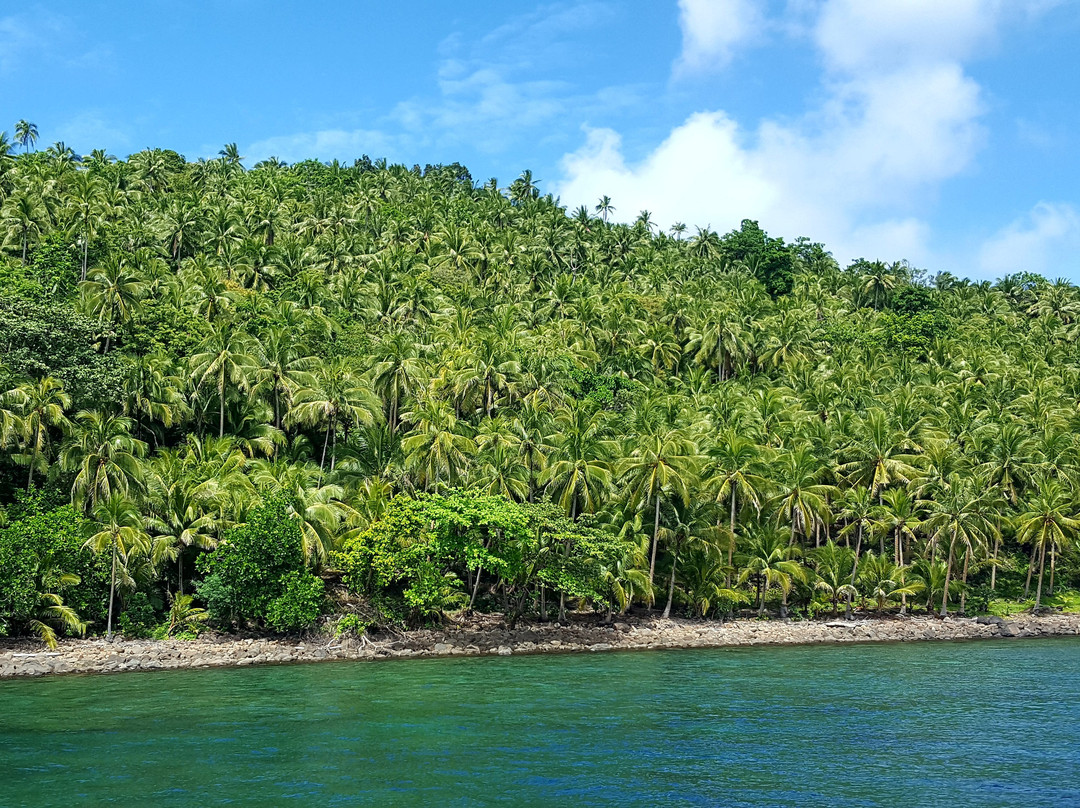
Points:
(886, 34)
(897, 117)
(713, 29)
(1046, 240)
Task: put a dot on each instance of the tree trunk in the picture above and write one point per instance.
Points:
(1031, 569)
(671, 583)
(325, 443)
(948, 576)
(85, 248)
(993, 563)
(112, 593)
(655, 537)
(858, 549)
(333, 448)
(475, 589)
(963, 579)
(1053, 559)
(180, 569)
(221, 406)
(731, 544)
(1038, 591)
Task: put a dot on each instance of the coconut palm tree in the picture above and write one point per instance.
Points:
(769, 561)
(105, 458)
(122, 534)
(661, 466)
(1047, 521)
(224, 358)
(41, 407)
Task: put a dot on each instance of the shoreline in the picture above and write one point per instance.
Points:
(486, 636)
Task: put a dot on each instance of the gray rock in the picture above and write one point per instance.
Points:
(504, 651)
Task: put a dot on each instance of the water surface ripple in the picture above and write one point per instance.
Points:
(946, 724)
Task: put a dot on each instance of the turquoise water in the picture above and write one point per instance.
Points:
(946, 724)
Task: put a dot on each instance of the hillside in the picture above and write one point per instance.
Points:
(395, 393)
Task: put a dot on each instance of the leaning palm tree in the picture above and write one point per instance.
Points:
(122, 535)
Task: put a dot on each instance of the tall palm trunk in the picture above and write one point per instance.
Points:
(566, 554)
(1038, 591)
(221, 404)
(858, 549)
(731, 544)
(963, 579)
(1031, 569)
(671, 583)
(112, 593)
(655, 540)
(993, 563)
(948, 576)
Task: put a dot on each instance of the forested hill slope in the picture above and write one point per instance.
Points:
(433, 395)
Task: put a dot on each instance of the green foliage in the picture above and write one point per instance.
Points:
(299, 604)
(424, 550)
(42, 553)
(139, 618)
(768, 259)
(258, 571)
(46, 339)
(607, 390)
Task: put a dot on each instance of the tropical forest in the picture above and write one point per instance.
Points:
(340, 397)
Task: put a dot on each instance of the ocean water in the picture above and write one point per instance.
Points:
(937, 724)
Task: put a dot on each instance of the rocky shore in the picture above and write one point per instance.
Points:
(487, 636)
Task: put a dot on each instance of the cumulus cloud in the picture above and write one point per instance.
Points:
(896, 116)
(713, 29)
(1046, 240)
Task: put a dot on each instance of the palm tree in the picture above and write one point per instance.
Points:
(579, 471)
(436, 449)
(880, 455)
(113, 293)
(1047, 521)
(770, 561)
(41, 407)
(339, 397)
(223, 358)
(801, 498)
(958, 514)
(662, 465)
(834, 566)
(122, 534)
(605, 208)
(104, 457)
(735, 467)
(21, 215)
(26, 134)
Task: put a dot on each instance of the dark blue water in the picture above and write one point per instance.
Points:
(946, 724)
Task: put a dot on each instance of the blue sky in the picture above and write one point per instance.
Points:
(946, 132)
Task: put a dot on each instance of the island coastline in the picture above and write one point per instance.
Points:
(489, 637)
